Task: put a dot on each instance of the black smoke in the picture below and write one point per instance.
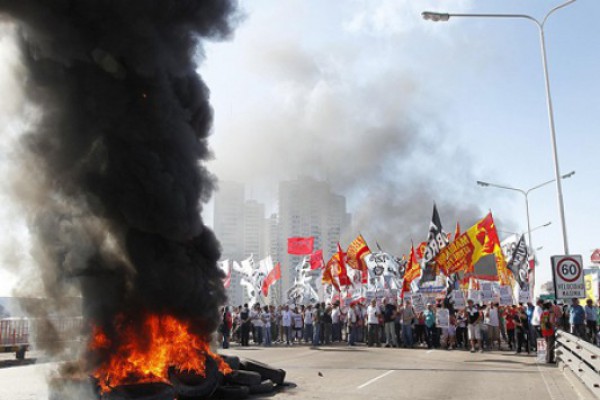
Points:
(115, 157)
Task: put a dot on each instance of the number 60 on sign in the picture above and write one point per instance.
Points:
(567, 272)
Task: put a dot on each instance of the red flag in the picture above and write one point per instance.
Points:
(301, 246)
(457, 231)
(421, 250)
(342, 273)
(413, 270)
(316, 260)
(227, 280)
(271, 278)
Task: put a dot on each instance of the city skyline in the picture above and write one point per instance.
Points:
(306, 207)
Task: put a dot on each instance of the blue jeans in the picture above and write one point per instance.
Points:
(288, 334)
(308, 332)
(317, 335)
(407, 335)
(430, 336)
(267, 336)
(353, 331)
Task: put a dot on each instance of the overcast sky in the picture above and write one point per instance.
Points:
(397, 113)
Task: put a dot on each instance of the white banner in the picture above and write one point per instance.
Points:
(418, 301)
(506, 298)
(458, 300)
(474, 295)
(442, 318)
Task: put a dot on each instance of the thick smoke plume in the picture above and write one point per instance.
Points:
(111, 175)
(356, 100)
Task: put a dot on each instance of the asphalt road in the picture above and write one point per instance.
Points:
(373, 374)
(380, 373)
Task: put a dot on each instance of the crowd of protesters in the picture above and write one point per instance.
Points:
(477, 327)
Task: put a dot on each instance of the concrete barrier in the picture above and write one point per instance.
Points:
(580, 357)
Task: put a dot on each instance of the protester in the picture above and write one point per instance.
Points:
(327, 325)
(389, 318)
(492, 321)
(408, 319)
(591, 318)
(246, 325)
(308, 324)
(352, 325)
(474, 325)
(577, 319)
(462, 340)
(298, 324)
(451, 339)
(226, 325)
(373, 322)
(429, 315)
(317, 317)
(286, 322)
(547, 322)
(522, 330)
(336, 327)
(257, 325)
(266, 317)
(509, 318)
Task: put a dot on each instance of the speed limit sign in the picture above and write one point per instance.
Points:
(568, 277)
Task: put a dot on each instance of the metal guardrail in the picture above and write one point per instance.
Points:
(581, 357)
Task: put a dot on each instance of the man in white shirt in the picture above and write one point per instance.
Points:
(492, 321)
(336, 330)
(352, 325)
(308, 324)
(536, 320)
(591, 319)
(286, 321)
(373, 322)
(257, 325)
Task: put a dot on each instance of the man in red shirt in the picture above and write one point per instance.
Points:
(509, 317)
(547, 327)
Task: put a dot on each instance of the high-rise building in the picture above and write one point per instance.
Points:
(228, 226)
(255, 241)
(308, 207)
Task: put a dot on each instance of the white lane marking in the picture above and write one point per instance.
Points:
(552, 397)
(376, 379)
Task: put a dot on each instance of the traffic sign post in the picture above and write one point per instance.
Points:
(567, 273)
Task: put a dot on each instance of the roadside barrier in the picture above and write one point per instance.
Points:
(581, 357)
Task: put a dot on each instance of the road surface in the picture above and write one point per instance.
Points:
(341, 372)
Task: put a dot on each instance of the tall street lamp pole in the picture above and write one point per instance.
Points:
(525, 193)
(547, 224)
(443, 17)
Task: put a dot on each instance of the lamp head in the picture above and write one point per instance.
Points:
(434, 16)
(484, 184)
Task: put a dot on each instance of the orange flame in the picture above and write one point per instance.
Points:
(145, 355)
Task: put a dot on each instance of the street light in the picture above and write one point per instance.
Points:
(443, 17)
(547, 224)
(526, 194)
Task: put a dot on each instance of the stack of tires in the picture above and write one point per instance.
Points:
(249, 377)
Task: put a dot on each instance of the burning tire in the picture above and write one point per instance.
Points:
(266, 372)
(265, 387)
(232, 361)
(189, 384)
(232, 392)
(141, 391)
(245, 378)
